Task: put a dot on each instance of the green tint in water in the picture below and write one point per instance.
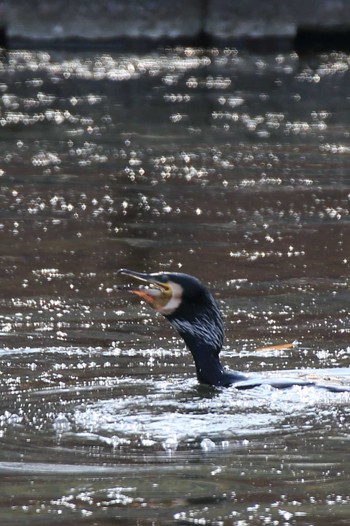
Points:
(230, 167)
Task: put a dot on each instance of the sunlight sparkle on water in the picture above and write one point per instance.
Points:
(229, 166)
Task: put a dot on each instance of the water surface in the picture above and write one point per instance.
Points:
(228, 166)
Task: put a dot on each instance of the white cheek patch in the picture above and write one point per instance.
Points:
(175, 300)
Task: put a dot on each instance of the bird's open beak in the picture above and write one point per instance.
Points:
(155, 292)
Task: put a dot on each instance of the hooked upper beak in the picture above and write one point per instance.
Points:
(155, 291)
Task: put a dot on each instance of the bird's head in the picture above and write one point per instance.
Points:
(163, 292)
(185, 302)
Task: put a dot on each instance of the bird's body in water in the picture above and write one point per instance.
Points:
(193, 312)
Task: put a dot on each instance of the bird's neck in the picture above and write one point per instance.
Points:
(208, 366)
(203, 335)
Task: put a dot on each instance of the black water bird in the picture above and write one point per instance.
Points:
(193, 312)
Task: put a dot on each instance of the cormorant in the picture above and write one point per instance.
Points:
(193, 312)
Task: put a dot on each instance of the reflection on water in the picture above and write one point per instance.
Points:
(230, 167)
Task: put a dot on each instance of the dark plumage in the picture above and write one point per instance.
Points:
(193, 312)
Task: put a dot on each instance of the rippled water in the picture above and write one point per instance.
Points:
(231, 167)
